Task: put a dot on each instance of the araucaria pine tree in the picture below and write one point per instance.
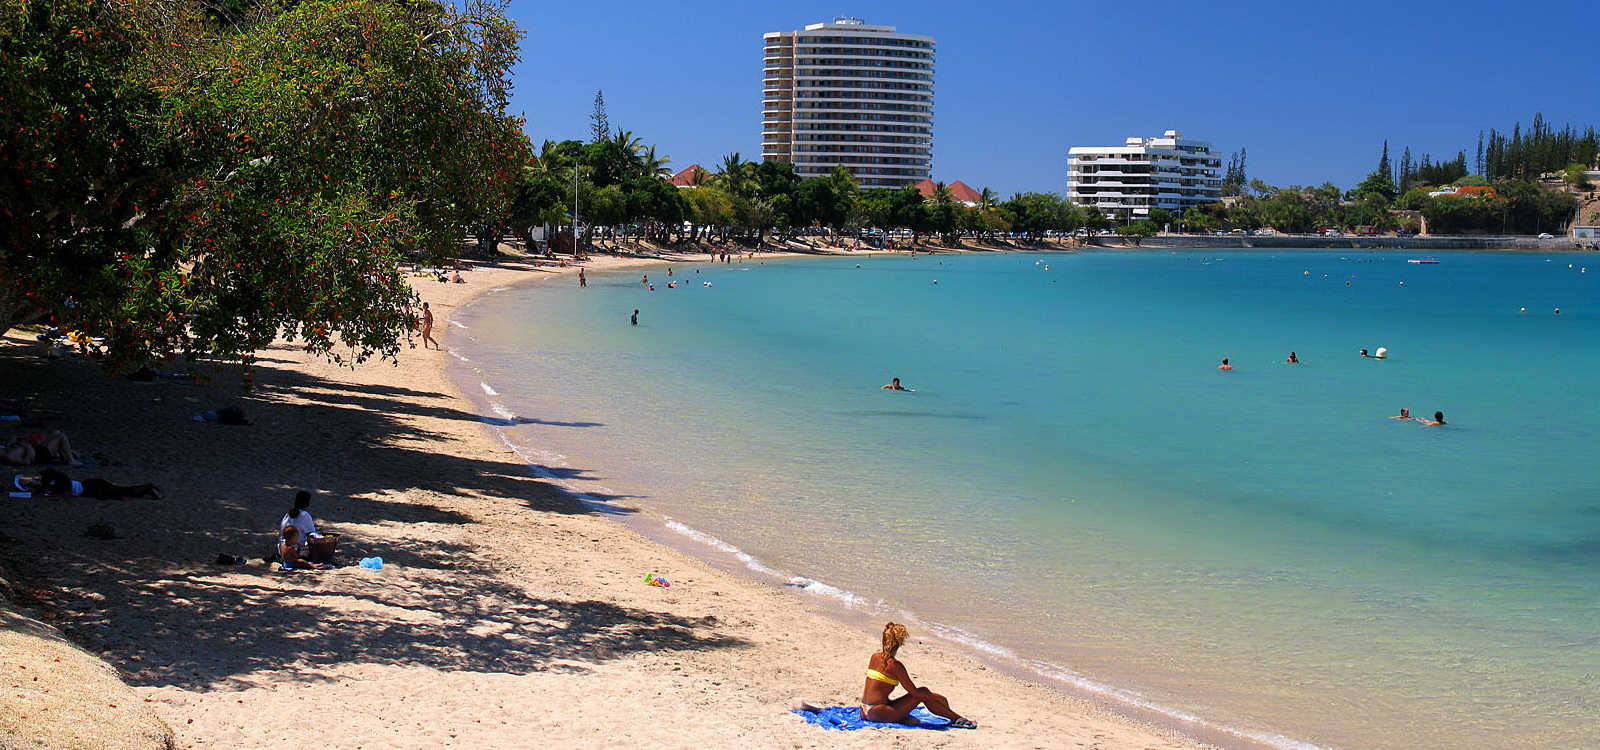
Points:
(599, 126)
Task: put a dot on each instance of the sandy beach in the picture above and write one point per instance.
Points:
(507, 614)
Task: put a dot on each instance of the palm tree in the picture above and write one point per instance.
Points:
(550, 162)
(651, 164)
(987, 199)
(732, 173)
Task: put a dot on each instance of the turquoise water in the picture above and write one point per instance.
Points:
(1074, 487)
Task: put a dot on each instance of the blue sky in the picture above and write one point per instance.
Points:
(1310, 88)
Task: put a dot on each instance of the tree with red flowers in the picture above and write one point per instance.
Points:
(225, 185)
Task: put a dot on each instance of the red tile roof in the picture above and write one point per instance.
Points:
(690, 176)
(961, 191)
(965, 193)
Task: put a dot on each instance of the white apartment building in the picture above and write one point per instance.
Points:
(848, 93)
(1170, 172)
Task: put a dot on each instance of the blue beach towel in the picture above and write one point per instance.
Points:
(846, 718)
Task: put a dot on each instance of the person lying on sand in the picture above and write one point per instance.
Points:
(289, 555)
(885, 673)
(51, 482)
(40, 448)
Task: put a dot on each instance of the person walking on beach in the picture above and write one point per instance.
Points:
(582, 280)
(427, 328)
(635, 319)
(885, 673)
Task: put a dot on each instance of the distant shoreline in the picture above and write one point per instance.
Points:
(1304, 242)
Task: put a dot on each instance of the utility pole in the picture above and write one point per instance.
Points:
(575, 251)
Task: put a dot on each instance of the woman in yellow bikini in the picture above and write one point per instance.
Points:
(885, 673)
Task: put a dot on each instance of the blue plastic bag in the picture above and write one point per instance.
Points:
(372, 563)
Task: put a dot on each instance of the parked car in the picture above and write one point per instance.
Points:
(1546, 236)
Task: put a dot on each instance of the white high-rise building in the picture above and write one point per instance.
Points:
(848, 93)
(1170, 172)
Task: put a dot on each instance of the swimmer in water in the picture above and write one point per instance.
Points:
(893, 386)
(1363, 352)
(1224, 365)
(644, 279)
(1438, 419)
(1293, 360)
(635, 319)
(1404, 414)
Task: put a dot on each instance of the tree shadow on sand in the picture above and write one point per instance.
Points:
(216, 628)
(365, 451)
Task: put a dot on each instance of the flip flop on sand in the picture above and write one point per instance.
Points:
(963, 724)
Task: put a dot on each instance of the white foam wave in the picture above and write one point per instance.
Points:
(1071, 677)
(710, 541)
(458, 324)
(458, 356)
(502, 411)
(539, 462)
(487, 390)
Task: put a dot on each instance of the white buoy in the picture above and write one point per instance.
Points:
(1382, 352)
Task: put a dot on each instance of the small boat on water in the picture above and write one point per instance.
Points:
(1422, 260)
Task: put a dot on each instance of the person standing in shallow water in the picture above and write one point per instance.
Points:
(582, 280)
(635, 318)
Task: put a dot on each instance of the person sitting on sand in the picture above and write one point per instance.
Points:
(53, 483)
(314, 545)
(289, 555)
(1438, 419)
(1224, 365)
(1293, 360)
(893, 386)
(299, 518)
(40, 448)
(457, 278)
(885, 673)
(1404, 414)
